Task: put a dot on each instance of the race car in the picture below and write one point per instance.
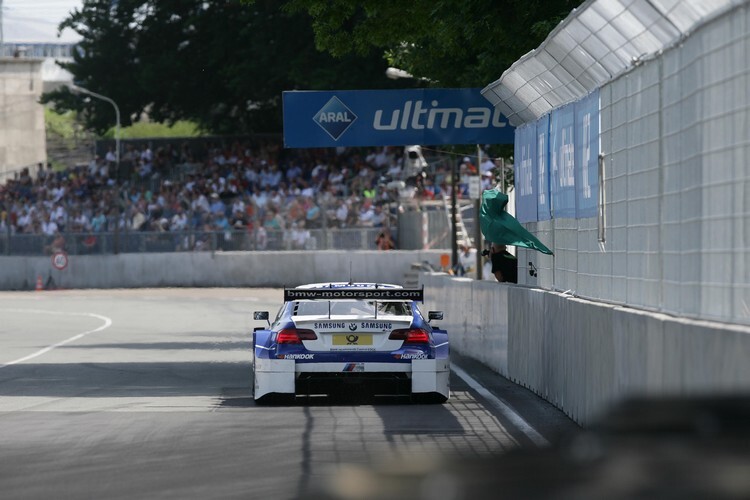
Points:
(364, 337)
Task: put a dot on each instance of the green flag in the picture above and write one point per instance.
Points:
(498, 226)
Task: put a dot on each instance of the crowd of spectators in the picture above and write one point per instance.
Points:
(258, 187)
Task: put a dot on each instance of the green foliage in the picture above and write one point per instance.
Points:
(65, 126)
(453, 43)
(223, 64)
(143, 130)
(62, 125)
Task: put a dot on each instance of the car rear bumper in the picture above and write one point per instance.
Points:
(284, 376)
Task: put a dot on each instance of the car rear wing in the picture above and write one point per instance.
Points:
(354, 293)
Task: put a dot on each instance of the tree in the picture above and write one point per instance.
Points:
(225, 63)
(454, 43)
(222, 64)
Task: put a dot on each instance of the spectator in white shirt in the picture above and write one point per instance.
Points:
(179, 220)
(342, 213)
(300, 236)
(488, 165)
(366, 213)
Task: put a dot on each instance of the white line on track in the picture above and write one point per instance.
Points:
(107, 324)
(506, 410)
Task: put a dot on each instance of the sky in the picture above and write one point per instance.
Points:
(29, 21)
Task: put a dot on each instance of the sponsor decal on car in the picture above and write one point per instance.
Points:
(291, 294)
(296, 356)
(377, 325)
(337, 326)
(411, 355)
(329, 325)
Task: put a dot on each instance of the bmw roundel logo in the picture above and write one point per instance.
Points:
(352, 326)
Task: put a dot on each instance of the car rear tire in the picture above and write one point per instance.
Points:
(275, 398)
(428, 398)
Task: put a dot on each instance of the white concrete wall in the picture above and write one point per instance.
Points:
(474, 315)
(583, 356)
(220, 269)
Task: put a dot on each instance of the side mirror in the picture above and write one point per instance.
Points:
(260, 316)
(435, 315)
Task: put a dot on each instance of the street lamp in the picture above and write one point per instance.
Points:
(76, 88)
(395, 73)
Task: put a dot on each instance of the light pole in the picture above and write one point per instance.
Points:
(76, 88)
(395, 73)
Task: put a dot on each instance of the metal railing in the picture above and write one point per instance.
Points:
(105, 243)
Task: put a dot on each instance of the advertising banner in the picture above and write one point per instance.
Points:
(562, 154)
(587, 155)
(525, 173)
(392, 118)
(543, 208)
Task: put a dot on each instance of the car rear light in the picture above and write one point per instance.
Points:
(294, 336)
(411, 336)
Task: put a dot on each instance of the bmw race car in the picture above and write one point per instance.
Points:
(360, 336)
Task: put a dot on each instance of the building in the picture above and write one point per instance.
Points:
(29, 49)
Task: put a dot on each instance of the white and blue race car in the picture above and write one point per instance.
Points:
(368, 336)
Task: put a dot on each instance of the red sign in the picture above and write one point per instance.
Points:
(60, 260)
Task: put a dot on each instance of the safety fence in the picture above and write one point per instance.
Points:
(104, 243)
(670, 233)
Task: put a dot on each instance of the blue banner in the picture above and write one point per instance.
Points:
(562, 154)
(525, 173)
(587, 156)
(542, 169)
(391, 118)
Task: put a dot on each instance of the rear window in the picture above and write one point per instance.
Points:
(351, 308)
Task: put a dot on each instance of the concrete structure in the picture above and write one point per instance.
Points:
(580, 355)
(22, 130)
(219, 269)
(650, 296)
(672, 229)
(583, 356)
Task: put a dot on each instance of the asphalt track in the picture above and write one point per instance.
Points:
(146, 394)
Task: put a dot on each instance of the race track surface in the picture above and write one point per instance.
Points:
(147, 394)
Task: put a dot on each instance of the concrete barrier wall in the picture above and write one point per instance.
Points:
(475, 314)
(580, 355)
(220, 269)
(583, 356)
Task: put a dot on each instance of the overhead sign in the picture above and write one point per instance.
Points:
(392, 118)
